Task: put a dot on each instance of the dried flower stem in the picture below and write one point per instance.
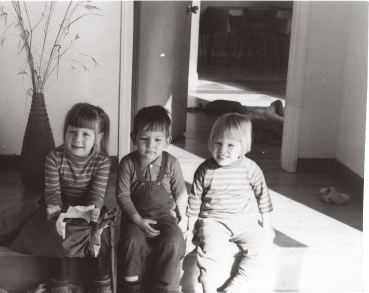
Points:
(40, 75)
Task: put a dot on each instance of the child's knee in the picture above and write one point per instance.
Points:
(173, 244)
(131, 244)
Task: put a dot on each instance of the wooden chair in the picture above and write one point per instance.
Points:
(214, 20)
(207, 41)
(279, 29)
(256, 32)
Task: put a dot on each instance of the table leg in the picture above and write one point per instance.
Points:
(210, 48)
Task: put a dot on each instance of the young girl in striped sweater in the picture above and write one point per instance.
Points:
(76, 174)
(220, 206)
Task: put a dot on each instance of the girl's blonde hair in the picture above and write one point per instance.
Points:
(85, 115)
(233, 126)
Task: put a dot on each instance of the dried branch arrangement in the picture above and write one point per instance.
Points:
(42, 60)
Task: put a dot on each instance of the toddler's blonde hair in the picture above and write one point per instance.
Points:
(233, 126)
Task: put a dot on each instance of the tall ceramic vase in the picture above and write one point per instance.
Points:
(38, 141)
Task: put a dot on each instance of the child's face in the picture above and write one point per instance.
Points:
(79, 141)
(225, 151)
(151, 144)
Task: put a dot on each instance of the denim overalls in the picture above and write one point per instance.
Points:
(151, 201)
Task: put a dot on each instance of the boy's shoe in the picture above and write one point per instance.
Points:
(102, 286)
(159, 288)
(60, 289)
(103, 290)
(130, 287)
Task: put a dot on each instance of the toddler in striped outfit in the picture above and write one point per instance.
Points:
(220, 206)
(76, 174)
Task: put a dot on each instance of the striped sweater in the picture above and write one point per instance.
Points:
(71, 180)
(224, 192)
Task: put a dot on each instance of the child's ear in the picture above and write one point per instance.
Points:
(169, 139)
(133, 138)
(100, 136)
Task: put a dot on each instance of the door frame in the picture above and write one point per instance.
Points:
(125, 78)
(295, 84)
(294, 90)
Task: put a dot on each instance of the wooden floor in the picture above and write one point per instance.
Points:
(319, 245)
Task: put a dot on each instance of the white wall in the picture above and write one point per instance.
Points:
(99, 38)
(332, 78)
(321, 101)
(351, 131)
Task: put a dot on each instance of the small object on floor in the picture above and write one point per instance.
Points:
(2, 291)
(330, 194)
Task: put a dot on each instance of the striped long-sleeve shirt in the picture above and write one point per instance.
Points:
(224, 192)
(71, 180)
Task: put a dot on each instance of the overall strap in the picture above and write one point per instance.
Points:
(163, 167)
(137, 167)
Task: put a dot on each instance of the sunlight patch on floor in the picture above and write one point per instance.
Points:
(315, 229)
(313, 252)
(249, 100)
(207, 84)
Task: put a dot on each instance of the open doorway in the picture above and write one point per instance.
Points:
(232, 67)
(295, 78)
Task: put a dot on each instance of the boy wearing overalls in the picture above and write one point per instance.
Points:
(150, 184)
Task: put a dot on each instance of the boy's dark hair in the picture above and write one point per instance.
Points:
(153, 118)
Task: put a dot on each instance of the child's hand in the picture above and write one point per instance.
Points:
(189, 245)
(270, 232)
(267, 226)
(173, 213)
(183, 224)
(94, 214)
(149, 231)
(53, 209)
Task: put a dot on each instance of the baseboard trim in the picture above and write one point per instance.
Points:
(315, 165)
(12, 162)
(350, 177)
(332, 165)
(9, 162)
